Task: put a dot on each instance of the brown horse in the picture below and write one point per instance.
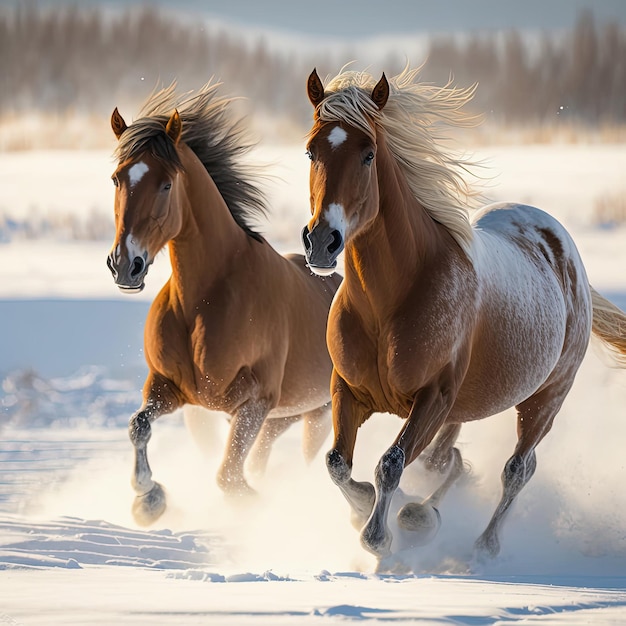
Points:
(237, 328)
(439, 320)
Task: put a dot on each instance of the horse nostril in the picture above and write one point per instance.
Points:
(138, 266)
(305, 239)
(336, 243)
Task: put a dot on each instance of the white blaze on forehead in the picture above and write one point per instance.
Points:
(136, 172)
(336, 217)
(337, 136)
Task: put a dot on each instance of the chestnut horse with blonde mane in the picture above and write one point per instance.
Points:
(439, 320)
(237, 328)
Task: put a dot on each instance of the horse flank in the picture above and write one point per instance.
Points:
(217, 139)
(410, 120)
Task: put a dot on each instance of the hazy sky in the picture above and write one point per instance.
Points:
(363, 18)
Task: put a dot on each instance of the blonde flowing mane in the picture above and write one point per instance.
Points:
(412, 120)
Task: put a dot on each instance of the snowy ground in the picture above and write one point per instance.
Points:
(71, 367)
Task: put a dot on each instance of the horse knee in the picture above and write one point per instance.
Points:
(390, 468)
(139, 429)
(338, 467)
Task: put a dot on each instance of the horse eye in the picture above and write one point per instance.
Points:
(115, 180)
(310, 155)
(167, 186)
(369, 158)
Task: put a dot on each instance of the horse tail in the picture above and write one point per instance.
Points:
(609, 325)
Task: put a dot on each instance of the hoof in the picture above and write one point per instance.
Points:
(422, 520)
(150, 506)
(486, 547)
(240, 493)
(234, 485)
(376, 540)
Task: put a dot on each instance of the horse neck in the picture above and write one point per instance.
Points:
(386, 258)
(209, 239)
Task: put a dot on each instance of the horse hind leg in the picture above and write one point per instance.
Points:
(317, 427)
(534, 420)
(439, 454)
(422, 519)
(245, 426)
(272, 428)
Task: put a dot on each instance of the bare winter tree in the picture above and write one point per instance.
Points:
(79, 59)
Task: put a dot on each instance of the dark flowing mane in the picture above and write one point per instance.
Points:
(216, 138)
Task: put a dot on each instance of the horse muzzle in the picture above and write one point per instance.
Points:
(128, 274)
(322, 246)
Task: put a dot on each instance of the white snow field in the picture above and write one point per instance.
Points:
(71, 367)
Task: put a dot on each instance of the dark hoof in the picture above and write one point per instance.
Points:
(376, 540)
(149, 507)
(422, 520)
(486, 547)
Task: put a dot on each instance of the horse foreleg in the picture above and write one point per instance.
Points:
(376, 536)
(426, 416)
(150, 501)
(348, 415)
(245, 426)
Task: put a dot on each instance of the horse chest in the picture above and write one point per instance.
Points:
(371, 365)
(193, 358)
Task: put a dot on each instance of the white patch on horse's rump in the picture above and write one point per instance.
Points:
(136, 173)
(337, 136)
(336, 218)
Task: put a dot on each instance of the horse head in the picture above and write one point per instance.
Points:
(343, 178)
(146, 216)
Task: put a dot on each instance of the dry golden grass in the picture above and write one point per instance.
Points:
(610, 209)
(38, 131)
(73, 131)
(543, 134)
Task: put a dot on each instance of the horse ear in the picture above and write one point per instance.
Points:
(315, 89)
(174, 127)
(117, 123)
(380, 93)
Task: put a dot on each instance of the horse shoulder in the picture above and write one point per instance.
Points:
(166, 346)
(352, 341)
(433, 323)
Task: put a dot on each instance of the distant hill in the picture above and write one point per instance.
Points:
(353, 19)
(87, 58)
